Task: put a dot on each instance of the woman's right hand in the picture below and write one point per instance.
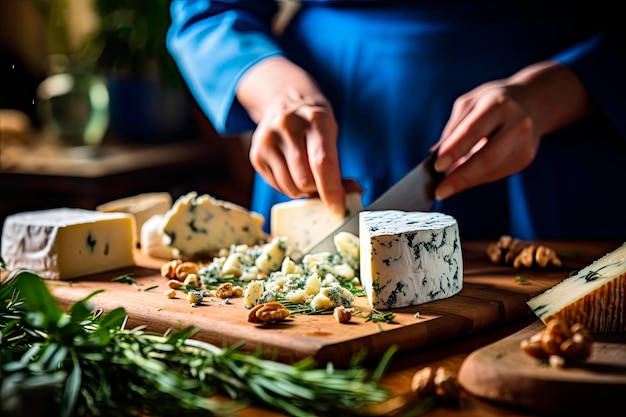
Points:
(294, 147)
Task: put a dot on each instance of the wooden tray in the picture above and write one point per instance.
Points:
(491, 296)
(501, 372)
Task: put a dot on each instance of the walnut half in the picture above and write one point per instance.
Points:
(512, 251)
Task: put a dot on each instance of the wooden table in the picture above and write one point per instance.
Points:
(432, 351)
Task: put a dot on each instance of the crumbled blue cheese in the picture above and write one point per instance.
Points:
(297, 282)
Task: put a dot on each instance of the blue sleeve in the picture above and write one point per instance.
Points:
(213, 44)
(600, 63)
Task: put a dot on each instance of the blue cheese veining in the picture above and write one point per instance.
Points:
(409, 258)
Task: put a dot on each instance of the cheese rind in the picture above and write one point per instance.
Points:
(151, 239)
(142, 206)
(67, 243)
(305, 222)
(595, 296)
(409, 258)
(199, 226)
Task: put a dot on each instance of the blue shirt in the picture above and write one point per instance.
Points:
(392, 71)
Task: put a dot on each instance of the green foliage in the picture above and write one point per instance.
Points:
(131, 39)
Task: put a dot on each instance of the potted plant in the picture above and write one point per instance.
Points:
(148, 100)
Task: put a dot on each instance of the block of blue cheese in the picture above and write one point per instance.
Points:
(409, 258)
(65, 243)
(198, 226)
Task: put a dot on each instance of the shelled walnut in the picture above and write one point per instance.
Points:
(268, 312)
(439, 382)
(511, 251)
(559, 343)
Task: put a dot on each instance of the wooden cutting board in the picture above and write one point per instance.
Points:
(491, 296)
(503, 373)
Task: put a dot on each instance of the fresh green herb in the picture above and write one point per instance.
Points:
(376, 316)
(152, 288)
(300, 308)
(94, 366)
(522, 280)
(127, 279)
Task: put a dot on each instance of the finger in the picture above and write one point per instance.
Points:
(267, 159)
(295, 129)
(483, 121)
(460, 109)
(324, 159)
(491, 160)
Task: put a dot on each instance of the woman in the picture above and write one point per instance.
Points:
(522, 99)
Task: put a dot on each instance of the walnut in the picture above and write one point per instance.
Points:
(342, 314)
(268, 312)
(225, 290)
(440, 383)
(559, 343)
(511, 251)
(545, 256)
(423, 382)
(168, 270)
(186, 268)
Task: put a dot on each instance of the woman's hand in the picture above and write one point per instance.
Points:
(294, 147)
(495, 130)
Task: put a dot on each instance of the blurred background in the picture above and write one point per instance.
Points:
(93, 108)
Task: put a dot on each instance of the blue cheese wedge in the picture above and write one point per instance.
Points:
(409, 258)
(67, 243)
(198, 226)
(305, 222)
(595, 296)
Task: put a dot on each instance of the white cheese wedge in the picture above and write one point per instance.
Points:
(151, 239)
(199, 226)
(142, 206)
(67, 243)
(305, 222)
(595, 296)
(409, 258)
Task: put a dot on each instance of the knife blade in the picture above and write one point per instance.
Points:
(414, 192)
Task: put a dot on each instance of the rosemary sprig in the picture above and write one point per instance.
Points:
(94, 366)
(376, 315)
(127, 279)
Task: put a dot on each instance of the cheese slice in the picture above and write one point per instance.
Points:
(409, 258)
(67, 243)
(151, 239)
(595, 296)
(199, 226)
(305, 222)
(142, 206)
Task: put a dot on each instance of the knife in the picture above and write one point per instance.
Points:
(414, 192)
